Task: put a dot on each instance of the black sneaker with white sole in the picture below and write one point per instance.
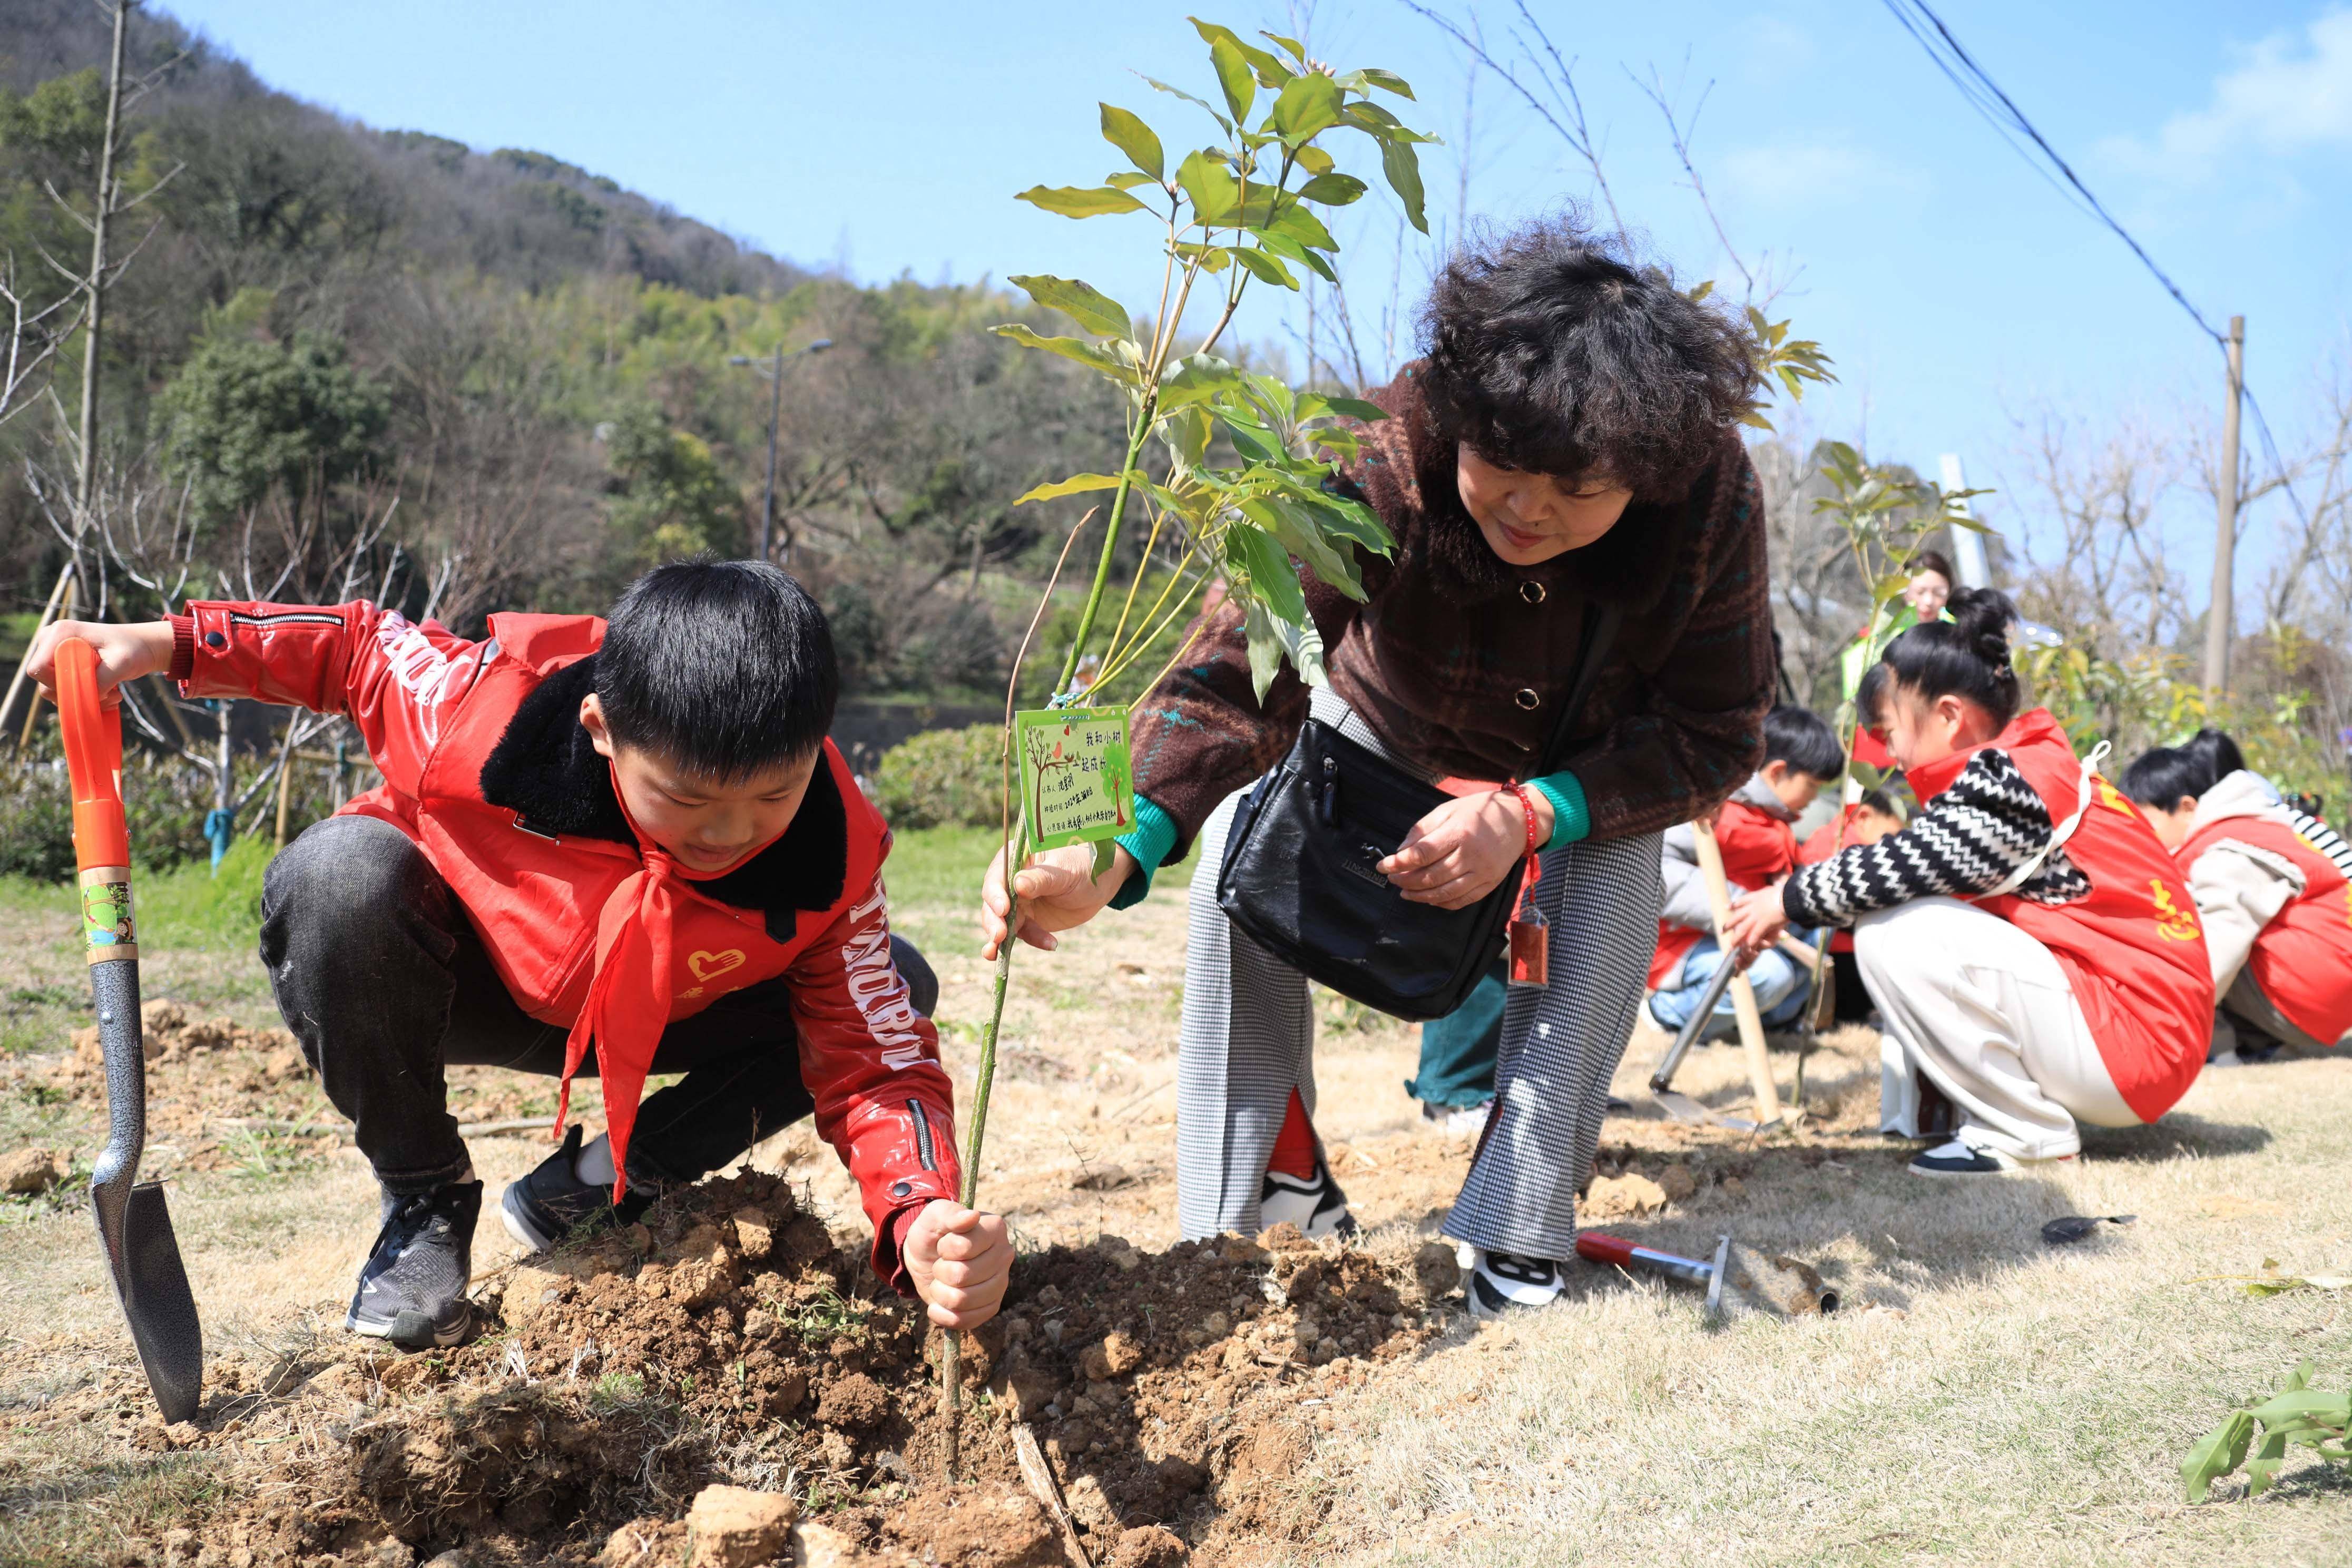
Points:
(1503, 1282)
(1959, 1159)
(1317, 1206)
(413, 1286)
(552, 1201)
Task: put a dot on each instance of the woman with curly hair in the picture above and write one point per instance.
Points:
(1569, 441)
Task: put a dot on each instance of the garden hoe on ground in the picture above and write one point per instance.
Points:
(1779, 1284)
(141, 1254)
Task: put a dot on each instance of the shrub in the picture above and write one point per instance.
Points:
(944, 778)
(165, 804)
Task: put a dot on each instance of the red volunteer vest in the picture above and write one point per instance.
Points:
(2302, 959)
(536, 900)
(2132, 951)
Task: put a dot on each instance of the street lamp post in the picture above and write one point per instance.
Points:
(775, 374)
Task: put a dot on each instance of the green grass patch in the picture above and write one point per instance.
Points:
(190, 907)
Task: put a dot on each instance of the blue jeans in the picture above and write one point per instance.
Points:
(1782, 988)
(1458, 1051)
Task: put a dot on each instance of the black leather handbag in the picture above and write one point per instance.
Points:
(1298, 870)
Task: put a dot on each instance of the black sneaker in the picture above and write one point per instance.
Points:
(1317, 1206)
(413, 1286)
(552, 1201)
(1959, 1159)
(1503, 1282)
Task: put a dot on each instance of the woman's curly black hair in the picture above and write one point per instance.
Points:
(1550, 351)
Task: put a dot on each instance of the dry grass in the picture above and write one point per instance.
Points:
(2008, 1403)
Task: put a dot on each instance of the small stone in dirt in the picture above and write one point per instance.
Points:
(1116, 1356)
(1285, 1238)
(1436, 1267)
(1120, 1251)
(1631, 1193)
(855, 1403)
(968, 1529)
(1733, 1187)
(822, 1546)
(1150, 1546)
(1102, 1179)
(1091, 1507)
(735, 1527)
(644, 1543)
(30, 1171)
(753, 1235)
(1677, 1183)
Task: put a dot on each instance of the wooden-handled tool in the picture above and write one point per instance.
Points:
(1743, 994)
(141, 1254)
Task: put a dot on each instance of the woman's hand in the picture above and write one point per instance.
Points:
(1057, 891)
(961, 1260)
(1756, 921)
(124, 653)
(1462, 851)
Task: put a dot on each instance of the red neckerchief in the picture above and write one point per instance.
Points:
(629, 998)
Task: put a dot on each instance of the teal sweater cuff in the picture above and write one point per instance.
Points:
(1571, 820)
(1153, 838)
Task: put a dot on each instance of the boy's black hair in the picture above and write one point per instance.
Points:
(1802, 739)
(2162, 775)
(1870, 696)
(1551, 351)
(1966, 655)
(725, 669)
(1939, 563)
(1879, 800)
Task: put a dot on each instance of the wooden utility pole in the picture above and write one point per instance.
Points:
(2225, 530)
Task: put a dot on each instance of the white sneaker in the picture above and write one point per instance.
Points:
(1317, 1206)
(1502, 1282)
(1456, 1121)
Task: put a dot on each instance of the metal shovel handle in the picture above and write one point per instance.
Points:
(1718, 983)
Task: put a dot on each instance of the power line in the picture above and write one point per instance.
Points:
(1986, 97)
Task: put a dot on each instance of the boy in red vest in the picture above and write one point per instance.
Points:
(616, 849)
(2272, 889)
(1756, 832)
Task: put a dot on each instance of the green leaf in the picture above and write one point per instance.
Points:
(1072, 201)
(1401, 164)
(1215, 193)
(1193, 379)
(1077, 484)
(1274, 579)
(1284, 246)
(1297, 50)
(1314, 405)
(1155, 83)
(1082, 303)
(1263, 267)
(2217, 1453)
(2262, 1469)
(1093, 355)
(1268, 66)
(1314, 160)
(1297, 530)
(1213, 258)
(1186, 431)
(1129, 180)
(2304, 1404)
(1253, 442)
(1308, 105)
(1124, 130)
(1333, 190)
(1105, 850)
(1700, 290)
(1233, 72)
(1264, 647)
(1387, 82)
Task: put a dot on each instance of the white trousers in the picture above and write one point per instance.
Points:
(1984, 1011)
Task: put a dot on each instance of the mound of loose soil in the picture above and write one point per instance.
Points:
(727, 1340)
(236, 1094)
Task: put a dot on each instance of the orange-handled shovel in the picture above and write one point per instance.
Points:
(141, 1253)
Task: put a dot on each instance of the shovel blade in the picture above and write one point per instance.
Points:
(152, 1286)
(1681, 1107)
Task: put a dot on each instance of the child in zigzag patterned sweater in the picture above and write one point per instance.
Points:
(2029, 944)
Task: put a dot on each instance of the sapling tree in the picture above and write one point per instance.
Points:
(1226, 466)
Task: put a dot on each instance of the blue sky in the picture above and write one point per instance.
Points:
(1957, 291)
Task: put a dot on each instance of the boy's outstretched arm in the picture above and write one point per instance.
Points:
(871, 1063)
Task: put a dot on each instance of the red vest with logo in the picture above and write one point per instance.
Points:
(2132, 949)
(2302, 959)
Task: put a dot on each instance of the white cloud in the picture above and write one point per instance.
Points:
(1814, 173)
(2290, 95)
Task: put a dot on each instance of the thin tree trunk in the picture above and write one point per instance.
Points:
(86, 475)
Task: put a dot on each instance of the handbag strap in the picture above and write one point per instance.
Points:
(1593, 641)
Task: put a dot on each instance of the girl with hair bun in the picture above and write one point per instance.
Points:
(2032, 946)
(2274, 890)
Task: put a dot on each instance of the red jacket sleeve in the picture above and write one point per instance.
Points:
(1757, 849)
(872, 1064)
(391, 677)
